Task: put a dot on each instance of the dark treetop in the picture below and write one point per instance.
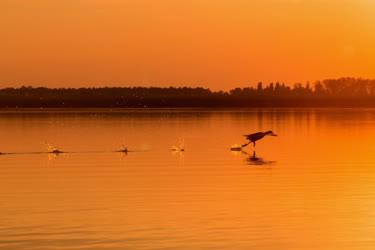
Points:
(343, 92)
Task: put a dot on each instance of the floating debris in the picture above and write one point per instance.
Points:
(236, 147)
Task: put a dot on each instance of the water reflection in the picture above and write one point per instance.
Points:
(320, 196)
(253, 159)
(52, 157)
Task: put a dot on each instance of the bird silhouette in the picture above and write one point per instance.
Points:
(257, 136)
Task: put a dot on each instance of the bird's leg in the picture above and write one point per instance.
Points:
(254, 144)
(244, 145)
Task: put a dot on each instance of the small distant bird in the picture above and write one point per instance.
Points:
(180, 147)
(56, 151)
(257, 136)
(123, 149)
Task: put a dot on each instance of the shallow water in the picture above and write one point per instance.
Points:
(312, 187)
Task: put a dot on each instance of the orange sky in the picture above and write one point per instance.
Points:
(213, 43)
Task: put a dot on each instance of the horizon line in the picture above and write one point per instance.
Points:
(186, 86)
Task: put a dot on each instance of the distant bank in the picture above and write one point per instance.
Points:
(341, 92)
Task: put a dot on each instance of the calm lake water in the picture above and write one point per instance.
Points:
(312, 187)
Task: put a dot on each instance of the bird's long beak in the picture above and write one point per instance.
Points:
(273, 134)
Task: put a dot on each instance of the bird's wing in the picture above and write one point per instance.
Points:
(253, 136)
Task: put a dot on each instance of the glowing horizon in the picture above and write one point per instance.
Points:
(215, 44)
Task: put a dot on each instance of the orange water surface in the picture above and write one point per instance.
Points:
(312, 187)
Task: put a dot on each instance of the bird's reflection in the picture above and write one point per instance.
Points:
(253, 159)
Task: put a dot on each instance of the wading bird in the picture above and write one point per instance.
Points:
(257, 136)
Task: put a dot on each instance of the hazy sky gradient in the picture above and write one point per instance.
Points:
(213, 43)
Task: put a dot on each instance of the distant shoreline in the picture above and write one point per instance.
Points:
(335, 93)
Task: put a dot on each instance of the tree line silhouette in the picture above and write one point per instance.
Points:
(330, 92)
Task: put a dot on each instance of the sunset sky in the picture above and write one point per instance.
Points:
(212, 43)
